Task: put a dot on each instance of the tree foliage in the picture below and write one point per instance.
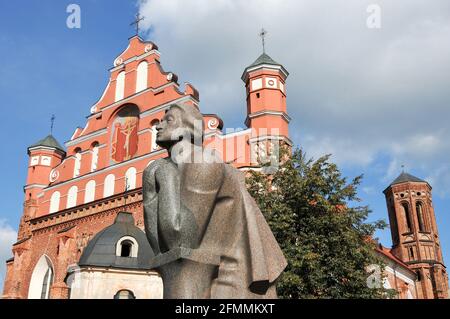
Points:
(326, 242)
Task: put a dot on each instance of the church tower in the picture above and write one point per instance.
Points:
(415, 235)
(265, 82)
(44, 156)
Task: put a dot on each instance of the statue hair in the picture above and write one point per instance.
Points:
(190, 117)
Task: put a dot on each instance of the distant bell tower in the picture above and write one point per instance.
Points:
(415, 235)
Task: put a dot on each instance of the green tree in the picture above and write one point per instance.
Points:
(326, 242)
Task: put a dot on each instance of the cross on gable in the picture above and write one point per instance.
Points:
(136, 22)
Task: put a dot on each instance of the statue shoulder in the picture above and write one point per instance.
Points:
(153, 166)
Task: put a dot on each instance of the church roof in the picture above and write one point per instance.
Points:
(263, 59)
(101, 250)
(388, 253)
(405, 177)
(48, 141)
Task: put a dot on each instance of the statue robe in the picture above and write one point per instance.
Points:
(203, 213)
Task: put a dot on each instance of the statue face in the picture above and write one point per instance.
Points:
(170, 129)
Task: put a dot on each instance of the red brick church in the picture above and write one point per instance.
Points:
(81, 233)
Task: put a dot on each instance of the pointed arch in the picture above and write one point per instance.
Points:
(407, 217)
(120, 86)
(421, 217)
(54, 202)
(142, 76)
(41, 279)
(72, 197)
(108, 187)
(89, 192)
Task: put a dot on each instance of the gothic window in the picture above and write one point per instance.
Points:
(394, 228)
(124, 294)
(421, 217)
(77, 165)
(411, 253)
(124, 134)
(89, 192)
(120, 86)
(141, 76)
(108, 187)
(41, 279)
(72, 197)
(130, 179)
(407, 217)
(54, 202)
(94, 162)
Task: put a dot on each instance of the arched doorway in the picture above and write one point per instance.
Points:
(41, 279)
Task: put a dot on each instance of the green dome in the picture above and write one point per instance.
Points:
(49, 141)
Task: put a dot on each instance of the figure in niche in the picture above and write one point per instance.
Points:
(124, 144)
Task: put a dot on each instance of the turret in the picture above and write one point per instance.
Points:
(44, 156)
(265, 82)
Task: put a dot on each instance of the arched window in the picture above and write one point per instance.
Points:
(407, 217)
(124, 294)
(421, 217)
(153, 125)
(72, 197)
(89, 192)
(54, 202)
(141, 77)
(120, 86)
(108, 187)
(124, 134)
(130, 179)
(94, 161)
(41, 279)
(77, 165)
(127, 246)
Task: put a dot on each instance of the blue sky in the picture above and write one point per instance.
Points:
(375, 99)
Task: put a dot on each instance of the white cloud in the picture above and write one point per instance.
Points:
(7, 237)
(355, 92)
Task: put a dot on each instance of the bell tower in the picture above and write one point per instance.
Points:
(44, 155)
(415, 235)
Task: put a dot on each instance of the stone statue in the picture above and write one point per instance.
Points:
(209, 237)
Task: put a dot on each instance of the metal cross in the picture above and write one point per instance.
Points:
(403, 168)
(52, 120)
(263, 34)
(136, 22)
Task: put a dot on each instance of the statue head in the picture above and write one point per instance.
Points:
(181, 122)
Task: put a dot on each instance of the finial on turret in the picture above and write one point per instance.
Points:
(52, 123)
(263, 34)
